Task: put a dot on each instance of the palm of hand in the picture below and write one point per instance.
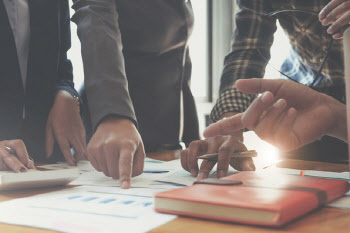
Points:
(313, 120)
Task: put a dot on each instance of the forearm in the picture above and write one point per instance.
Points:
(105, 80)
(230, 100)
(252, 40)
(64, 79)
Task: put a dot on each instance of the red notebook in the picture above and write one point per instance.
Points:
(257, 198)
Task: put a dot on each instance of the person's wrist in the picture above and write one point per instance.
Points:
(113, 119)
(64, 95)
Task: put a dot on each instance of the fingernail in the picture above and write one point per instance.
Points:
(279, 104)
(321, 14)
(125, 185)
(194, 173)
(330, 30)
(265, 97)
(251, 167)
(337, 36)
(221, 174)
(23, 169)
(291, 112)
(324, 22)
(202, 176)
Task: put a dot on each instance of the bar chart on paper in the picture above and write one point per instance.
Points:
(85, 210)
(98, 204)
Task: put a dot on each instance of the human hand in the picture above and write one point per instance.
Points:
(117, 150)
(336, 13)
(224, 146)
(289, 115)
(14, 156)
(64, 125)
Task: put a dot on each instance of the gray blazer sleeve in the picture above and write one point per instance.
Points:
(105, 80)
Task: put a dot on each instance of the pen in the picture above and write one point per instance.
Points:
(147, 171)
(243, 154)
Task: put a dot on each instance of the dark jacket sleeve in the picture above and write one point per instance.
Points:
(65, 70)
(105, 80)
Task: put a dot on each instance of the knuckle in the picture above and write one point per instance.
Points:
(82, 135)
(127, 144)
(225, 150)
(183, 153)
(195, 143)
(59, 130)
(218, 137)
(126, 161)
(18, 142)
(233, 139)
(91, 150)
(107, 148)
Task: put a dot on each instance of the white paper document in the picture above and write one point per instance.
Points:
(342, 202)
(312, 173)
(86, 210)
(99, 205)
(153, 170)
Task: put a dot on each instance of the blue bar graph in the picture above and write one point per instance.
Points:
(147, 204)
(126, 202)
(107, 200)
(73, 197)
(89, 199)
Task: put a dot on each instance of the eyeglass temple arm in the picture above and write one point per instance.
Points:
(273, 13)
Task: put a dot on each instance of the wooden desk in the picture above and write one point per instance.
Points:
(326, 220)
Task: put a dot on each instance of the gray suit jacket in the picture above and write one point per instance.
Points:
(136, 63)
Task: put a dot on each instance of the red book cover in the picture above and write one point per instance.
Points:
(259, 198)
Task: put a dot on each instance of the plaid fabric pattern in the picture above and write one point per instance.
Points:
(253, 38)
(231, 100)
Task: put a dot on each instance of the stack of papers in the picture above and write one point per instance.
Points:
(100, 205)
(342, 202)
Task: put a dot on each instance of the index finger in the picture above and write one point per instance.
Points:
(224, 127)
(126, 158)
(258, 85)
(65, 149)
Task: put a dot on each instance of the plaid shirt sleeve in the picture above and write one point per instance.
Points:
(251, 45)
